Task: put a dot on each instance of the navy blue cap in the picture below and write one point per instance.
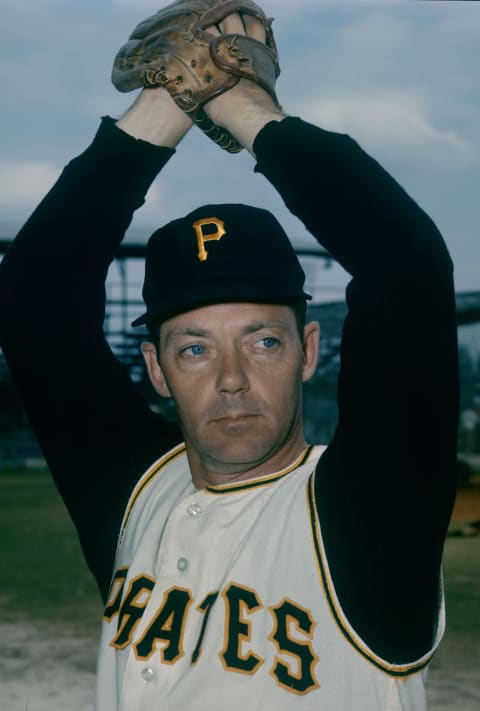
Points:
(219, 254)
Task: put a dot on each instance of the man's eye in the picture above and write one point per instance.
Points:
(195, 350)
(268, 342)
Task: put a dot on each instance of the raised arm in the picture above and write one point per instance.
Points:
(385, 486)
(91, 424)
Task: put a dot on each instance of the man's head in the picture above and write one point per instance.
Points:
(225, 306)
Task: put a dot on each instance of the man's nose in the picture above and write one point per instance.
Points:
(231, 375)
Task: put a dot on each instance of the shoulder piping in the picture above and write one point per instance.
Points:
(144, 481)
(396, 670)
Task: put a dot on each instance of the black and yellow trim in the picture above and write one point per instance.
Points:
(396, 670)
(144, 482)
(263, 481)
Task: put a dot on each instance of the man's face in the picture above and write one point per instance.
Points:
(235, 372)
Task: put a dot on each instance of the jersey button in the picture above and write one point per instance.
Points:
(147, 675)
(182, 564)
(194, 510)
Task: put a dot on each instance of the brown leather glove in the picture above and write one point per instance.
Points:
(174, 50)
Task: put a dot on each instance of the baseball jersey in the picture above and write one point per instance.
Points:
(222, 598)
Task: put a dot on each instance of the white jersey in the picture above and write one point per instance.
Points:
(222, 599)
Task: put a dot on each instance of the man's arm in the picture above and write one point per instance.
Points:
(155, 119)
(385, 486)
(95, 430)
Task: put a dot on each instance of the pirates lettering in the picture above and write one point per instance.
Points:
(239, 602)
(167, 626)
(112, 607)
(132, 610)
(205, 608)
(295, 660)
(292, 635)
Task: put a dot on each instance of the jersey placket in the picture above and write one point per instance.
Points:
(154, 665)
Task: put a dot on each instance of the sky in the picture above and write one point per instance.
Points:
(401, 77)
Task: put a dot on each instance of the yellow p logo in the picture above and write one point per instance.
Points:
(202, 237)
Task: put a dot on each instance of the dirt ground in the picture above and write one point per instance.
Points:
(41, 673)
(451, 687)
(45, 671)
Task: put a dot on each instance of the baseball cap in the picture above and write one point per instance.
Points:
(219, 254)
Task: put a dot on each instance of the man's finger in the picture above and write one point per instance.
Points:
(236, 24)
(254, 28)
(213, 30)
(233, 25)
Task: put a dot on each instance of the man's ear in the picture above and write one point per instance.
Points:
(155, 373)
(311, 344)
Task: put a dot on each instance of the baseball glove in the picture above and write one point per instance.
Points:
(173, 49)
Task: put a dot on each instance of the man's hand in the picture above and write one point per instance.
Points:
(174, 49)
(246, 108)
(154, 117)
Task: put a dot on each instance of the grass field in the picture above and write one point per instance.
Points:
(44, 581)
(43, 576)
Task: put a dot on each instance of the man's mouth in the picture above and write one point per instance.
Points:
(234, 417)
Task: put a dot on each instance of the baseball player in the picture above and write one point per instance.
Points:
(240, 566)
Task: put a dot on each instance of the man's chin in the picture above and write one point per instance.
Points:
(235, 453)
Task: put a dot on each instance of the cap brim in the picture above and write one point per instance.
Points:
(219, 298)
(140, 321)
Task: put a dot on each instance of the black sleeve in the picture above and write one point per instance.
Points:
(386, 484)
(95, 431)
